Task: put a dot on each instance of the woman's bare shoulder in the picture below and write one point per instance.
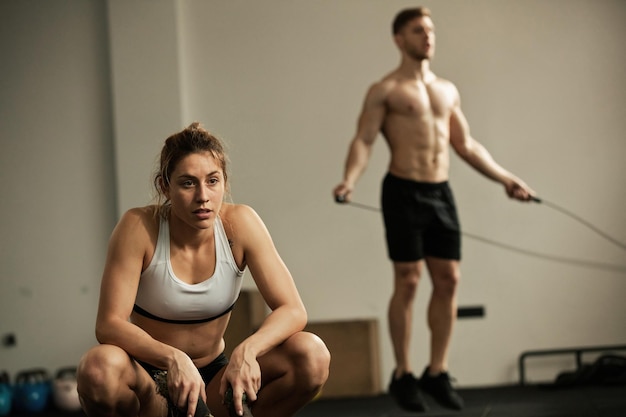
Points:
(237, 215)
(140, 219)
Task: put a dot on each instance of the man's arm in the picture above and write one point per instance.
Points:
(475, 154)
(369, 124)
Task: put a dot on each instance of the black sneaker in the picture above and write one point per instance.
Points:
(441, 390)
(405, 390)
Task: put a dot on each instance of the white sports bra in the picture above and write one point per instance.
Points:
(164, 297)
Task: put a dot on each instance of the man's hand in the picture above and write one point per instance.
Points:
(517, 189)
(342, 193)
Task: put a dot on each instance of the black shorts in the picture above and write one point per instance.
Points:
(206, 372)
(420, 220)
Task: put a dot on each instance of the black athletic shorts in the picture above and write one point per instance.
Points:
(420, 220)
(206, 372)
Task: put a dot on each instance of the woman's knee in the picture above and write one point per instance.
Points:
(311, 359)
(100, 371)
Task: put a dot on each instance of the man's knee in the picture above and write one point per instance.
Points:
(445, 275)
(407, 277)
(446, 283)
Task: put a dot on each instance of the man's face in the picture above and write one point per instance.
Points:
(417, 38)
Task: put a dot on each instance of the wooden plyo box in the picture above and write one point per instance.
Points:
(353, 345)
(355, 364)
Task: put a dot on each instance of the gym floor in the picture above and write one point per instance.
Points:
(506, 401)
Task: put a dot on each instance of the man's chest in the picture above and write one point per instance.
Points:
(418, 99)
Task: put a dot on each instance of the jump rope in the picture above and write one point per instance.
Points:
(583, 263)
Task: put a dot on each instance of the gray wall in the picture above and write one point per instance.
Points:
(56, 164)
(543, 86)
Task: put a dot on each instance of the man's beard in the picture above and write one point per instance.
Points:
(419, 55)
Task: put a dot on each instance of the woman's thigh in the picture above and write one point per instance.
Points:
(109, 378)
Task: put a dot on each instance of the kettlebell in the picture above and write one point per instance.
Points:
(64, 390)
(6, 394)
(32, 390)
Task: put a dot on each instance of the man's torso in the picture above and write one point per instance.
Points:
(416, 126)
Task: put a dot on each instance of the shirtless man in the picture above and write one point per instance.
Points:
(419, 116)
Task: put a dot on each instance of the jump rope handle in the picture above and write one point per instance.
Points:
(231, 404)
(340, 199)
(202, 410)
(160, 377)
(535, 199)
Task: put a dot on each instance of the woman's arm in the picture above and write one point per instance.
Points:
(130, 248)
(276, 285)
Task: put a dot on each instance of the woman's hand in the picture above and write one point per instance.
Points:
(185, 385)
(243, 375)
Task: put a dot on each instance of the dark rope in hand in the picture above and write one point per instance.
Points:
(583, 263)
(581, 221)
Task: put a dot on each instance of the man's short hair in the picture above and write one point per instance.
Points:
(405, 16)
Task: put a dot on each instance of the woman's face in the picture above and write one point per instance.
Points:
(196, 189)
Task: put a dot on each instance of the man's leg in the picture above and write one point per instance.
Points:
(400, 313)
(445, 275)
(442, 310)
(292, 374)
(111, 384)
(404, 386)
